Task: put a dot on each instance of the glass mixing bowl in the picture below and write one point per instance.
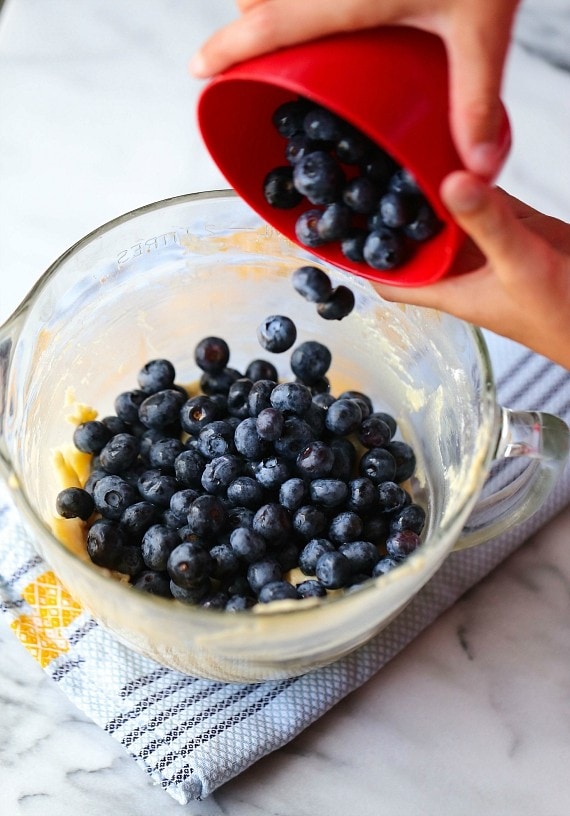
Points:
(154, 282)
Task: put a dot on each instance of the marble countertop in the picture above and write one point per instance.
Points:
(96, 118)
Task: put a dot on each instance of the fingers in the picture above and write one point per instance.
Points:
(265, 26)
(485, 215)
(477, 47)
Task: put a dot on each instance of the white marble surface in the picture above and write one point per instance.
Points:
(97, 117)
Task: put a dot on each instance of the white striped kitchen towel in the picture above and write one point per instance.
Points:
(192, 735)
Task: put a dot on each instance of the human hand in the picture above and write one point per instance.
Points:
(512, 276)
(476, 35)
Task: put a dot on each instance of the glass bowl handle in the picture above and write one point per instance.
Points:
(542, 438)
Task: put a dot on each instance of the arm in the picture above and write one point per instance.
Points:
(476, 35)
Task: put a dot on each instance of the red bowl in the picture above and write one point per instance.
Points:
(391, 83)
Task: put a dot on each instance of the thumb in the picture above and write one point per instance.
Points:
(476, 52)
(484, 214)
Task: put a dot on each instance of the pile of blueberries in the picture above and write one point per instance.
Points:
(213, 499)
(360, 196)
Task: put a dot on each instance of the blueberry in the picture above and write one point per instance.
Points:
(153, 582)
(156, 375)
(277, 591)
(106, 543)
(362, 555)
(157, 487)
(320, 123)
(311, 589)
(289, 116)
(94, 476)
(120, 453)
(247, 544)
(157, 544)
(192, 594)
(189, 564)
(293, 493)
(352, 147)
(328, 492)
(161, 409)
(238, 397)
(272, 472)
(379, 166)
(312, 283)
(361, 195)
(378, 465)
(259, 396)
(309, 522)
(138, 517)
(188, 467)
(277, 333)
(216, 439)
(374, 432)
(91, 437)
(298, 146)
(333, 570)
(383, 566)
(225, 562)
(279, 188)
(310, 361)
(352, 246)
(215, 600)
(402, 543)
(376, 529)
(292, 398)
(127, 405)
(339, 304)
(112, 495)
(323, 401)
(343, 417)
(318, 177)
(261, 370)
(316, 460)
(404, 457)
(360, 396)
(247, 440)
(391, 497)
(218, 382)
(197, 412)
(74, 502)
(238, 603)
(384, 249)
(411, 517)
(147, 439)
(115, 425)
(402, 181)
(287, 554)
(163, 454)
(314, 416)
(362, 494)
(273, 522)
(388, 419)
(397, 209)
(311, 553)
(346, 526)
(334, 223)
(212, 354)
(207, 516)
(297, 434)
(245, 492)
(270, 423)
(180, 503)
(344, 457)
(263, 572)
(424, 225)
(307, 228)
(220, 472)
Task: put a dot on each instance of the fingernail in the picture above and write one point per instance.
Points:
(198, 65)
(486, 158)
(464, 195)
